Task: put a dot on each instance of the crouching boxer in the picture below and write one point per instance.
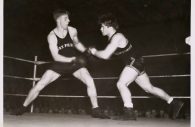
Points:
(66, 50)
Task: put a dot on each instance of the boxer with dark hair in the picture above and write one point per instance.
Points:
(120, 47)
(69, 57)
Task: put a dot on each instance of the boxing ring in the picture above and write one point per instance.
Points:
(83, 119)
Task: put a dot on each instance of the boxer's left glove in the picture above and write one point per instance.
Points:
(80, 61)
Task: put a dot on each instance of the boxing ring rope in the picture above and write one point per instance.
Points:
(170, 54)
(99, 78)
(35, 79)
(68, 96)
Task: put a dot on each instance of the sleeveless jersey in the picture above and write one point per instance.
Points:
(66, 46)
(124, 54)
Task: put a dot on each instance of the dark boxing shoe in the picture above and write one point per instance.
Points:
(176, 107)
(19, 111)
(98, 113)
(128, 114)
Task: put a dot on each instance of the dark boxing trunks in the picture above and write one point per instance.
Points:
(66, 68)
(137, 64)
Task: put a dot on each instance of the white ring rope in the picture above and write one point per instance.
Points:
(69, 96)
(160, 76)
(17, 77)
(146, 56)
(29, 61)
(98, 78)
(171, 54)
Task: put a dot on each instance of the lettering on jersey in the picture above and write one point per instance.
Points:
(65, 46)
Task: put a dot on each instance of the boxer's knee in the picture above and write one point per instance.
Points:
(120, 85)
(149, 89)
(88, 78)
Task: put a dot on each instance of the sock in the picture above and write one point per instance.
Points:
(24, 106)
(95, 107)
(170, 100)
(128, 105)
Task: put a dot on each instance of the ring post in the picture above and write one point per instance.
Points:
(34, 81)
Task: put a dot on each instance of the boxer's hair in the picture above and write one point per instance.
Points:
(108, 19)
(59, 12)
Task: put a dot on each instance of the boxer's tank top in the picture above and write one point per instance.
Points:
(66, 46)
(124, 54)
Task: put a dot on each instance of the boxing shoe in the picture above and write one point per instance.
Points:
(98, 113)
(175, 108)
(19, 111)
(128, 114)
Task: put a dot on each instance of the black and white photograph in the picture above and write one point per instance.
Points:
(97, 63)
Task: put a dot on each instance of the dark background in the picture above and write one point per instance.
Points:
(153, 26)
(159, 26)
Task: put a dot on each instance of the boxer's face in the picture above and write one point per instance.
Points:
(104, 29)
(64, 21)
